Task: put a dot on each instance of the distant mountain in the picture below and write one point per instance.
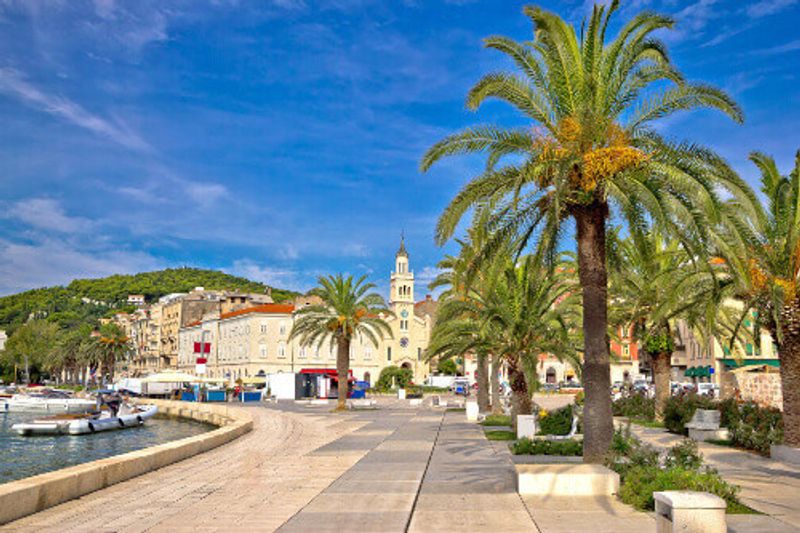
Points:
(88, 299)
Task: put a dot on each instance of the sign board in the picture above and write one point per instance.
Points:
(200, 368)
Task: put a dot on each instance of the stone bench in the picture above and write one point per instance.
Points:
(704, 426)
(566, 480)
(689, 512)
(362, 403)
(415, 402)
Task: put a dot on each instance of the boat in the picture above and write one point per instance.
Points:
(81, 424)
(49, 401)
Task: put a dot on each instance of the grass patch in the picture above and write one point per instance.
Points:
(570, 447)
(496, 420)
(648, 423)
(740, 508)
(500, 434)
(457, 409)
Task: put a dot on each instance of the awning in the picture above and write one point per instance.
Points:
(702, 372)
(689, 373)
(172, 377)
(733, 363)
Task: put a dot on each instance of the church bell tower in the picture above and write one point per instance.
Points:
(402, 280)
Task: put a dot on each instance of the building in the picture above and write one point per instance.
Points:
(254, 340)
(136, 299)
(3, 339)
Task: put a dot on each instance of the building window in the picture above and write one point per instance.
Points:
(263, 328)
(262, 349)
(302, 353)
(367, 352)
(626, 351)
(389, 353)
(282, 350)
(419, 354)
(404, 325)
(283, 328)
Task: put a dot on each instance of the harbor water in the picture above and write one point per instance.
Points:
(28, 456)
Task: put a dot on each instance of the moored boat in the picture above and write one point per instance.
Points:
(127, 417)
(47, 403)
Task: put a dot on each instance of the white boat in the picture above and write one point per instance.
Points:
(128, 417)
(39, 403)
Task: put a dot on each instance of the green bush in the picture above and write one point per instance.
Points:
(413, 391)
(755, 428)
(684, 455)
(567, 447)
(637, 406)
(641, 482)
(558, 422)
(394, 376)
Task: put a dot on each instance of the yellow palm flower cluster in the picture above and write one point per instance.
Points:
(614, 155)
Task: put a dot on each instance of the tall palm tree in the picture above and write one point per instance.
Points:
(111, 344)
(769, 269)
(348, 310)
(591, 148)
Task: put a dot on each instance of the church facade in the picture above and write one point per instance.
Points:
(255, 341)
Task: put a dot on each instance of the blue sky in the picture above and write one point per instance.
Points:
(280, 139)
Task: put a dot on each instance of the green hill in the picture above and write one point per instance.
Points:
(68, 305)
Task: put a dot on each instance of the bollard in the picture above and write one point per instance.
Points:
(526, 426)
(472, 411)
(689, 512)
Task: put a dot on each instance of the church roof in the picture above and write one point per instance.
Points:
(402, 251)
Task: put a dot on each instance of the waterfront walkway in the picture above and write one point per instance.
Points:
(396, 468)
(768, 486)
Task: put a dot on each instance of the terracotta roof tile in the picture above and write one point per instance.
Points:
(266, 308)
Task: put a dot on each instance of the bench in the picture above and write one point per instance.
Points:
(689, 512)
(704, 426)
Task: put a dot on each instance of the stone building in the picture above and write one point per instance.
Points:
(255, 340)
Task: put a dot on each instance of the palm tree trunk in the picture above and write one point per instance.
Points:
(521, 403)
(790, 375)
(497, 407)
(483, 382)
(661, 365)
(598, 425)
(342, 370)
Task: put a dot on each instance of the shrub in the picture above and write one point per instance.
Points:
(558, 422)
(684, 455)
(500, 434)
(567, 447)
(755, 428)
(641, 482)
(635, 405)
(413, 391)
(394, 376)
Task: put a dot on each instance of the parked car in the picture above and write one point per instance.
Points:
(708, 389)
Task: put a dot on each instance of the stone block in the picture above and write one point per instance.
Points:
(702, 435)
(415, 402)
(566, 480)
(472, 411)
(526, 426)
(689, 512)
(401, 394)
(787, 454)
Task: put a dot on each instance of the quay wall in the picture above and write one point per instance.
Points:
(33, 494)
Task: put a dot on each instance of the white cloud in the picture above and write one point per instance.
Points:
(13, 82)
(425, 276)
(56, 262)
(47, 214)
(274, 277)
(205, 194)
(791, 46)
(768, 7)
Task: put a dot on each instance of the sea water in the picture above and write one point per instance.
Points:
(27, 456)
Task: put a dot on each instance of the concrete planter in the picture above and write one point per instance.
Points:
(546, 459)
(566, 480)
(787, 454)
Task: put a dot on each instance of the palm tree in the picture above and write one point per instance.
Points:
(656, 282)
(348, 310)
(111, 344)
(518, 315)
(592, 148)
(769, 272)
(29, 345)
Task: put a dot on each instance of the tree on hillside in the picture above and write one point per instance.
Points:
(348, 311)
(763, 249)
(592, 147)
(111, 344)
(30, 345)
